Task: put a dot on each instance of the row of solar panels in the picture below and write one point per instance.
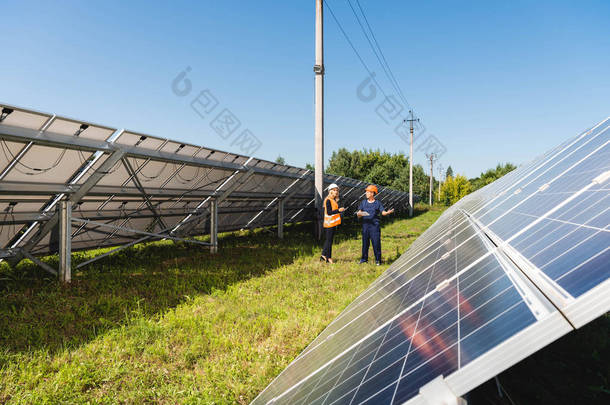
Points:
(502, 273)
(135, 182)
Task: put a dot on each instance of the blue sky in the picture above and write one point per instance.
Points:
(492, 81)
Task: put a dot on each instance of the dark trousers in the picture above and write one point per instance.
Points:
(371, 233)
(329, 234)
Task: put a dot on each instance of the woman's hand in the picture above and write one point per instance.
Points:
(384, 213)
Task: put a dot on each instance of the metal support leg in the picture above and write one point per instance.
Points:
(438, 391)
(498, 386)
(65, 241)
(280, 218)
(214, 225)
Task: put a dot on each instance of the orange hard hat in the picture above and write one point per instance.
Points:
(372, 188)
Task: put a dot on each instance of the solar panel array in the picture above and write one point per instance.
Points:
(127, 187)
(502, 273)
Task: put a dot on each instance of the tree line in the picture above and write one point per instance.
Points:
(380, 168)
(392, 170)
(456, 187)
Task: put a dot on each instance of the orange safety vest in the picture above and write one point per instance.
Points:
(331, 220)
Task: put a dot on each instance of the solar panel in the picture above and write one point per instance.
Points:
(125, 187)
(502, 273)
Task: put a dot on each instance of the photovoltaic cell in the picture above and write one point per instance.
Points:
(503, 272)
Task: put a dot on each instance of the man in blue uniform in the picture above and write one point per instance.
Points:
(371, 210)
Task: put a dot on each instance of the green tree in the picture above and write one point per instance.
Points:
(421, 182)
(380, 168)
(280, 160)
(372, 166)
(491, 175)
(453, 189)
(449, 172)
(401, 182)
(309, 166)
(379, 175)
(340, 163)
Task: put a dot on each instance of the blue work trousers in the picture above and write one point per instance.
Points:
(371, 233)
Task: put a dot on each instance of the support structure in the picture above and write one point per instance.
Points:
(319, 120)
(126, 188)
(438, 391)
(240, 176)
(133, 176)
(280, 218)
(40, 263)
(285, 196)
(213, 225)
(65, 241)
(74, 198)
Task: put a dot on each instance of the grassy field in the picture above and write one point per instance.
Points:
(171, 323)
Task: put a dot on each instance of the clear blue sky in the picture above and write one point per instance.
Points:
(493, 81)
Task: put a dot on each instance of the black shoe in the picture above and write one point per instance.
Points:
(363, 261)
(323, 259)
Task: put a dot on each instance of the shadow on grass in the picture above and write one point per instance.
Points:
(146, 280)
(36, 311)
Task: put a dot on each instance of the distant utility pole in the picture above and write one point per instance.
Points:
(410, 121)
(319, 113)
(440, 176)
(431, 156)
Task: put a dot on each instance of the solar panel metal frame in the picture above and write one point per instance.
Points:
(118, 177)
(552, 310)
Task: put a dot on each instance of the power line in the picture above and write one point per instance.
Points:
(401, 94)
(366, 35)
(351, 44)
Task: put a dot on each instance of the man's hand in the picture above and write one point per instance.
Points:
(341, 209)
(384, 213)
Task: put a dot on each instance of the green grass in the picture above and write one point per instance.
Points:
(170, 323)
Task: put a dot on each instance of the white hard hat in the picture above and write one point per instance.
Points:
(332, 186)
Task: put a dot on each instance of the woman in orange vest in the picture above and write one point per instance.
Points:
(332, 218)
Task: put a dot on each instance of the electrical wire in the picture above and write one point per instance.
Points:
(184, 180)
(35, 170)
(139, 170)
(351, 44)
(397, 86)
(366, 35)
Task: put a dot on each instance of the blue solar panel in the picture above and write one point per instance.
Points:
(502, 273)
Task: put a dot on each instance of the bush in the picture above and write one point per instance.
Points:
(453, 189)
